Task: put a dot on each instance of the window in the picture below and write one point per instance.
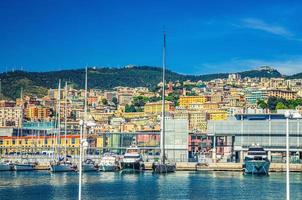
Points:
(73, 141)
(14, 142)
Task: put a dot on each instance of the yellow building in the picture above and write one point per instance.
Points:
(217, 115)
(131, 115)
(185, 101)
(35, 141)
(285, 94)
(37, 113)
(156, 107)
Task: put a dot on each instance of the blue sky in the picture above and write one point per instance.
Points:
(202, 36)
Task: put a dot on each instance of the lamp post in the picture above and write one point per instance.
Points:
(288, 115)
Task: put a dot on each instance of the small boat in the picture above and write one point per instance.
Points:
(62, 167)
(26, 166)
(256, 161)
(163, 167)
(132, 160)
(109, 163)
(89, 166)
(6, 166)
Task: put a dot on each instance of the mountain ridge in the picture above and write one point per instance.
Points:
(37, 83)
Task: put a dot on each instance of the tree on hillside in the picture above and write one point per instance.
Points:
(280, 105)
(114, 100)
(262, 104)
(104, 102)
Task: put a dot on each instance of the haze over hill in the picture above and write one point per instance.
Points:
(37, 83)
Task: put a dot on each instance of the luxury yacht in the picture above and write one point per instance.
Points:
(132, 160)
(256, 161)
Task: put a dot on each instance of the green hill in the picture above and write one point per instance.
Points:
(37, 83)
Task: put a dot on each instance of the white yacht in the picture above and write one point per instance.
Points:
(62, 166)
(132, 160)
(109, 163)
(89, 165)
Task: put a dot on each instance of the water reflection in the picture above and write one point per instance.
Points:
(179, 185)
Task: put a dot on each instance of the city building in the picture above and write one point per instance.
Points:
(185, 101)
(11, 116)
(156, 107)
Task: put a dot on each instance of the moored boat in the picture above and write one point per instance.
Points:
(163, 167)
(109, 163)
(89, 166)
(256, 161)
(132, 160)
(24, 166)
(6, 166)
(62, 167)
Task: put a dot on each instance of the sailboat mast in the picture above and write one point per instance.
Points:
(65, 119)
(83, 126)
(59, 117)
(163, 153)
(85, 103)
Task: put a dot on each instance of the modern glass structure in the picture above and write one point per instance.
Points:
(268, 130)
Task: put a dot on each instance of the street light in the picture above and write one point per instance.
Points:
(83, 145)
(288, 115)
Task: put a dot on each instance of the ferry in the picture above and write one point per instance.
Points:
(132, 160)
(109, 163)
(256, 161)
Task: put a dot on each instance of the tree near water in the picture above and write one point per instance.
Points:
(280, 105)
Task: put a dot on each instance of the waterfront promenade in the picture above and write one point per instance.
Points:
(43, 164)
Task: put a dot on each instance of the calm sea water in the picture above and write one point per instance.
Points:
(180, 185)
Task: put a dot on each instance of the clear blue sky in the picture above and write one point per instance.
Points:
(202, 36)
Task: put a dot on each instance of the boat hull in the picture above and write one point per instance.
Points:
(61, 168)
(88, 168)
(133, 167)
(108, 168)
(5, 167)
(23, 167)
(256, 167)
(163, 168)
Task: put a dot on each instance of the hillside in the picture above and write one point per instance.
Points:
(37, 83)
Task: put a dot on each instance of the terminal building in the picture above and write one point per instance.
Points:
(232, 137)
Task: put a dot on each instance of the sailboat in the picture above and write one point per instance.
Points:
(62, 164)
(163, 166)
(23, 164)
(88, 164)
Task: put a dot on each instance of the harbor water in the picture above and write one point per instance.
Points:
(44, 185)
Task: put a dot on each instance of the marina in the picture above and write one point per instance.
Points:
(180, 185)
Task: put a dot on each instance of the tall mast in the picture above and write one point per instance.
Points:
(59, 116)
(0, 89)
(85, 103)
(83, 129)
(65, 118)
(163, 153)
